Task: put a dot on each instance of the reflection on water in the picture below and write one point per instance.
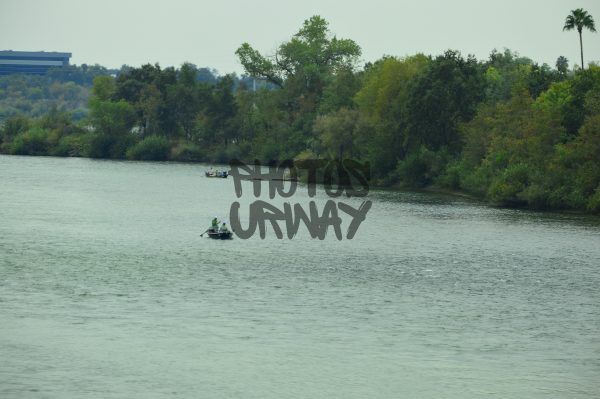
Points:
(108, 290)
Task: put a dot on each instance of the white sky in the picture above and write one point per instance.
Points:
(207, 33)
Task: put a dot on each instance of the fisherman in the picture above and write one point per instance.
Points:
(215, 225)
(223, 228)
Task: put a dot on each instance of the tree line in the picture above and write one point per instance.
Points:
(505, 129)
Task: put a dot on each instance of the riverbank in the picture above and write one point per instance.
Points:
(516, 149)
(432, 189)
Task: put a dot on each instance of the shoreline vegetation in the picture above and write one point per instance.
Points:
(505, 130)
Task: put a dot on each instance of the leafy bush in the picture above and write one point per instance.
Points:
(235, 151)
(32, 142)
(188, 152)
(421, 167)
(100, 145)
(121, 144)
(13, 126)
(593, 204)
(507, 188)
(451, 177)
(475, 181)
(268, 151)
(152, 148)
(70, 146)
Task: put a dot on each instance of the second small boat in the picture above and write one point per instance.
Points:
(216, 173)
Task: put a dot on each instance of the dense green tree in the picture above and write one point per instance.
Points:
(340, 91)
(109, 117)
(556, 98)
(220, 113)
(574, 111)
(503, 71)
(506, 148)
(586, 150)
(337, 132)
(248, 115)
(146, 88)
(382, 101)
(539, 79)
(443, 96)
(104, 88)
(149, 108)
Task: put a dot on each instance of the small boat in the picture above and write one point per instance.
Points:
(220, 235)
(216, 173)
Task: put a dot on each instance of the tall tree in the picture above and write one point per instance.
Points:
(311, 53)
(579, 19)
(221, 111)
(183, 98)
(302, 68)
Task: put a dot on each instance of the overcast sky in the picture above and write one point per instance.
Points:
(207, 33)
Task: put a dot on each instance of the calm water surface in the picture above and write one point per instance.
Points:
(107, 290)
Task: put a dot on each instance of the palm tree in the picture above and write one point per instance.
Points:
(579, 19)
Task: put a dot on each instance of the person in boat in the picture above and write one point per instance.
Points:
(215, 225)
(223, 228)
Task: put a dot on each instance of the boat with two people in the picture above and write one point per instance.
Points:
(218, 232)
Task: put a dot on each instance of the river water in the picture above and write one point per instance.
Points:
(107, 290)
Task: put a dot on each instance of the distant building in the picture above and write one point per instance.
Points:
(31, 62)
